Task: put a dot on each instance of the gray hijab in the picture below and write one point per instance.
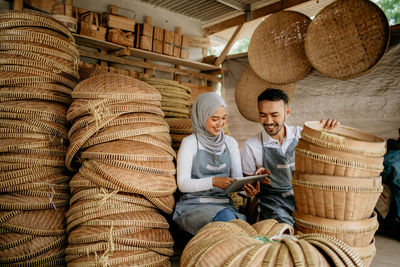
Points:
(203, 107)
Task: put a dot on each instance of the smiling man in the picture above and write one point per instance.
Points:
(273, 149)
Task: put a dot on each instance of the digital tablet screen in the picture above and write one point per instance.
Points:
(237, 184)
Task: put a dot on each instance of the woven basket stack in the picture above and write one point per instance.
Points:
(175, 97)
(38, 60)
(266, 243)
(179, 129)
(126, 174)
(337, 184)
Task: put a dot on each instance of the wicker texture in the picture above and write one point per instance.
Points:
(276, 50)
(347, 38)
(333, 197)
(239, 244)
(38, 71)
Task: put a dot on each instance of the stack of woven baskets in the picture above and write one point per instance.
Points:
(266, 243)
(175, 97)
(126, 174)
(337, 184)
(38, 70)
(179, 129)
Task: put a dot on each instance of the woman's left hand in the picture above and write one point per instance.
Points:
(250, 190)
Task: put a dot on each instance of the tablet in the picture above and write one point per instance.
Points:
(237, 184)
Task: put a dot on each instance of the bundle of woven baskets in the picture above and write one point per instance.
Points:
(179, 129)
(337, 184)
(266, 243)
(38, 70)
(120, 142)
(175, 97)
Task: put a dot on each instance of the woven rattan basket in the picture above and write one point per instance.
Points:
(366, 254)
(344, 138)
(276, 50)
(314, 159)
(335, 197)
(249, 87)
(354, 233)
(347, 38)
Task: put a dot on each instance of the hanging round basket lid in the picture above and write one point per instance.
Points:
(249, 87)
(347, 38)
(124, 87)
(276, 49)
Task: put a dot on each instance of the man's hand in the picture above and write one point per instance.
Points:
(329, 123)
(222, 182)
(260, 171)
(250, 190)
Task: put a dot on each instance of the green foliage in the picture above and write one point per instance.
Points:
(391, 9)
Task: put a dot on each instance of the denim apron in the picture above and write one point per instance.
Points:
(195, 210)
(276, 200)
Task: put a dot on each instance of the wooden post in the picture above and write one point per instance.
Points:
(229, 45)
(68, 8)
(18, 5)
(102, 62)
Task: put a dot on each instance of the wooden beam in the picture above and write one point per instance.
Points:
(233, 4)
(144, 65)
(257, 13)
(18, 5)
(229, 45)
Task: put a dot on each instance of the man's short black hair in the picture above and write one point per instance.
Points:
(273, 94)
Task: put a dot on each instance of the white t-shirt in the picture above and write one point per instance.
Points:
(252, 150)
(186, 154)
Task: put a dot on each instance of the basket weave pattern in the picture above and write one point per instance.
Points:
(126, 174)
(37, 74)
(337, 184)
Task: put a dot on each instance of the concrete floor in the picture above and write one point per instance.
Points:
(387, 252)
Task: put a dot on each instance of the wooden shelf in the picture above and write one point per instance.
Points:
(91, 42)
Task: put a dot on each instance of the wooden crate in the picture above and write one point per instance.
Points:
(157, 46)
(117, 36)
(184, 53)
(158, 33)
(168, 49)
(177, 51)
(185, 41)
(145, 29)
(144, 42)
(119, 22)
(177, 39)
(168, 37)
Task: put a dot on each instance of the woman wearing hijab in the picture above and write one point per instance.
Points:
(206, 161)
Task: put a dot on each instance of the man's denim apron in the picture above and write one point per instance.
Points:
(195, 210)
(276, 200)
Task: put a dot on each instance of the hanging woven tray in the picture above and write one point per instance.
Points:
(347, 38)
(276, 50)
(354, 233)
(336, 197)
(344, 138)
(319, 160)
(249, 87)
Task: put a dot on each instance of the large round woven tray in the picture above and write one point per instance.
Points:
(124, 88)
(347, 38)
(314, 159)
(354, 233)
(24, 93)
(276, 50)
(249, 87)
(344, 138)
(335, 197)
